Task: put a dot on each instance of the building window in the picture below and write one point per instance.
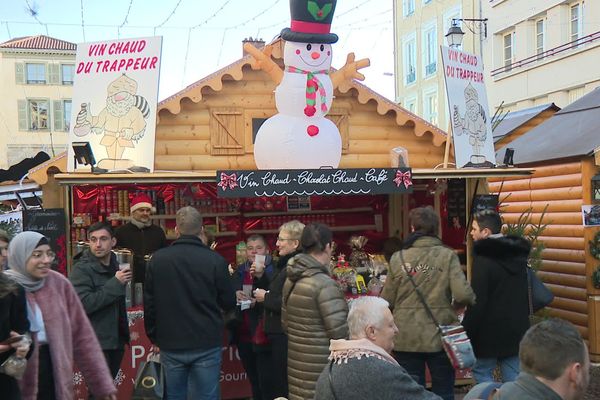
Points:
(575, 94)
(36, 73)
(410, 104)
(410, 59)
(430, 50)
(408, 7)
(426, 1)
(67, 72)
(67, 114)
(430, 106)
(37, 114)
(508, 41)
(576, 21)
(539, 38)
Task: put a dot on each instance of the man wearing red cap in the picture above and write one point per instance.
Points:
(139, 235)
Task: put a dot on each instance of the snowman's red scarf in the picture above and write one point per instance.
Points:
(312, 85)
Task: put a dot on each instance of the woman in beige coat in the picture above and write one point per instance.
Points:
(314, 311)
(436, 271)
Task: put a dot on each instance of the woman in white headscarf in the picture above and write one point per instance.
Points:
(60, 328)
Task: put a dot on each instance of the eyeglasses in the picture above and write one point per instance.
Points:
(280, 239)
(40, 254)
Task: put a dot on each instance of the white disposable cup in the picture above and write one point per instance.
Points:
(259, 263)
(247, 289)
(124, 266)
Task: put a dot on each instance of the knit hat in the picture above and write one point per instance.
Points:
(141, 200)
(311, 22)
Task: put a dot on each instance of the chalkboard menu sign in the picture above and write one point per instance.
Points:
(457, 215)
(50, 223)
(314, 182)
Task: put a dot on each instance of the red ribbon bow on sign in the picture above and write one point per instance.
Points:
(403, 178)
(228, 181)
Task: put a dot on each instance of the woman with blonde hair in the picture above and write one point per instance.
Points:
(62, 333)
(288, 245)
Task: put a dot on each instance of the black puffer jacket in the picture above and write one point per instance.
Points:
(272, 303)
(500, 317)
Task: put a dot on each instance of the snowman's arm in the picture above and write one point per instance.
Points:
(262, 60)
(349, 71)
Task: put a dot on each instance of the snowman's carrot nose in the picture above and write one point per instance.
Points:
(315, 55)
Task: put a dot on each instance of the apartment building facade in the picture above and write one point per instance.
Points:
(420, 27)
(36, 81)
(541, 51)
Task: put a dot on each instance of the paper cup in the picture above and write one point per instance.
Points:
(259, 263)
(123, 266)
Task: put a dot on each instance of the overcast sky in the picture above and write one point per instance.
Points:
(201, 36)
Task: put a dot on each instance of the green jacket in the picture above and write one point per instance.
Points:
(314, 311)
(103, 298)
(437, 272)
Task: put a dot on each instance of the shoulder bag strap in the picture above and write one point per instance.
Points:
(528, 271)
(331, 381)
(419, 293)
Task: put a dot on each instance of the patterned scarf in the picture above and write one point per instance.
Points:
(312, 85)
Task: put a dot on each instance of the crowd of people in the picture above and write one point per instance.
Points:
(296, 334)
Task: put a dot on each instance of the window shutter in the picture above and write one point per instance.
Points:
(57, 109)
(22, 112)
(227, 131)
(339, 117)
(20, 73)
(53, 74)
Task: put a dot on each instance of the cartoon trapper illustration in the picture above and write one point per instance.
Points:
(473, 123)
(122, 122)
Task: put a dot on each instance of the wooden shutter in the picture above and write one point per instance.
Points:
(22, 112)
(53, 74)
(226, 131)
(340, 118)
(20, 73)
(58, 115)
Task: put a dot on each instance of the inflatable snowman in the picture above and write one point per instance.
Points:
(299, 136)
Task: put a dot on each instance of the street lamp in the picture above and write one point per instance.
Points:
(455, 34)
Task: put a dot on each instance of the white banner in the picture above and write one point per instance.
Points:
(469, 112)
(115, 94)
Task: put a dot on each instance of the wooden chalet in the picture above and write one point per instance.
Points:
(561, 151)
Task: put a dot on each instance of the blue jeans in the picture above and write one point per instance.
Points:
(192, 374)
(483, 368)
(442, 372)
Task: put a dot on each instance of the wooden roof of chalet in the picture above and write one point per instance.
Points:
(363, 94)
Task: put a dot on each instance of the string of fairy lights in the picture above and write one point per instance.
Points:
(367, 21)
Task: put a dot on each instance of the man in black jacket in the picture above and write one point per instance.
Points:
(500, 317)
(100, 285)
(187, 288)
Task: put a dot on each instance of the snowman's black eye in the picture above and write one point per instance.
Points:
(308, 47)
(322, 47)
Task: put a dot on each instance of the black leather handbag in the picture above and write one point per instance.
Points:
(149, 382)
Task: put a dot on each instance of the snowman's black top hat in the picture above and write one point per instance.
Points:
(311, 22)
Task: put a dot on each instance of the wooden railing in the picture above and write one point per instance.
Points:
(548, 53)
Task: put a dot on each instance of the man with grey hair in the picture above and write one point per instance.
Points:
(187, 289)
(361, 367)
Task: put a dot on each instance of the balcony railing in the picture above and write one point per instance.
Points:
(548, 53)
(430, 69)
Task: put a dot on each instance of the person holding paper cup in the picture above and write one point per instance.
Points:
(254, 274)
(100, 282)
